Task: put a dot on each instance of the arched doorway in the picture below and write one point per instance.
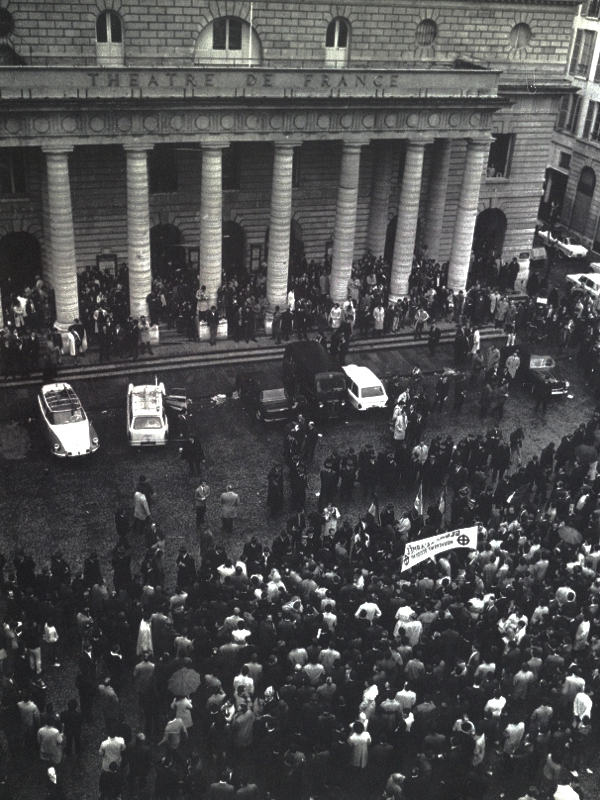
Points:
(490, 230)
(166, 253)
(234, 248)
(583, 199)
(20, 262)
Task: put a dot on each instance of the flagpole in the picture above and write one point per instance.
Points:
(250, 44)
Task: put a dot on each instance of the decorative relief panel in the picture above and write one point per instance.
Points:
(181, 125)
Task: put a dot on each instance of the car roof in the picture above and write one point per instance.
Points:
(593, 276)
(360, 374)
(147, 399)
(60, 397)
(265, 381)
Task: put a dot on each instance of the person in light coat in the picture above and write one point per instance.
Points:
(359, 741)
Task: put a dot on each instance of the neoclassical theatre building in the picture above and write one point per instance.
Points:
(231, 133)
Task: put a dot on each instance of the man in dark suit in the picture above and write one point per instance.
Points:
(186, 569)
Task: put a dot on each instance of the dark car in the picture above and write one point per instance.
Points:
(266, 397)
(543, 369)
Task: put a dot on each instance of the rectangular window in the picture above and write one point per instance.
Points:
(162, 170)
(593, 9)
(581, 57)
(564, 160)
(499, 157)
(231, 168)
(13, 171)
(220, 34)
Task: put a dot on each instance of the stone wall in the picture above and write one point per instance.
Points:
(382, 32)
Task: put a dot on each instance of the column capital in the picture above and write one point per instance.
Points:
(137, 147)
(284, 144)
(355, 144)
(57, 148)
(485, 139)
(215, 144)
(420, 140)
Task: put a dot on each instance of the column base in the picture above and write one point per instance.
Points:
(204, 333)
(268, 323)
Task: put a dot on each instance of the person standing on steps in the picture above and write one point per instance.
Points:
(212, 320)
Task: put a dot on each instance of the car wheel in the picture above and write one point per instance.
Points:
(259, 415)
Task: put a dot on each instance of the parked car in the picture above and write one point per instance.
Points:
(66, 425)
(589, 283)
(569, 247)
(543, 369)
(313, 374)
(266, 397)
(365, 390)
(153, 415)
(547, 237)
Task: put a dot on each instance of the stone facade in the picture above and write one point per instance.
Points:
(424, 78)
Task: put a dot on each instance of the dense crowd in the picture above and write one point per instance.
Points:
(317, 664)
(178, 301)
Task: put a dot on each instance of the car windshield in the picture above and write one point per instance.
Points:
(67, 417)
(144, 423)
(330, 383)
(372, 391)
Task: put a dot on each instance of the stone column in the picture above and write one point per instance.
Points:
(345, 222)
(62, 235)
(466, 215)
(211, 220)
(436, 196)
(408, 215)
(138, 230)
(380, 197)
(279, 225)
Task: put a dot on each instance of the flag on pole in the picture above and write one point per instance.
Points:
(419, 500)
(442, 503)
(374, 509)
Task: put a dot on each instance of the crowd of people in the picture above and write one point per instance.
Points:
(178, 301)
(317, 664)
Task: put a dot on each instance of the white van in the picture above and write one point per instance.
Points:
(365, 390)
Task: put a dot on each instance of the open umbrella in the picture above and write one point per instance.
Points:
(183, 682)
(570, 535)
(586, 454)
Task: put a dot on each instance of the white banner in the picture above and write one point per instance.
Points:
(418, 551)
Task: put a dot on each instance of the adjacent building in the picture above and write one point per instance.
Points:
(574, 165)
(234, 133)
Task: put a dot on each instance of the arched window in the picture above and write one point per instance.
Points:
(520, 36)
(229, 40)
(109, 40)
(583, 200)
(426, 33)
(109, 29)
(337, 40)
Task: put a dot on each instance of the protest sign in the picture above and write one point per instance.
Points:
(422, 549)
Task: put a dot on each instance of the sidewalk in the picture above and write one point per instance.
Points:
(175, 350)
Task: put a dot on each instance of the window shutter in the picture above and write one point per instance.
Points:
(588, 120)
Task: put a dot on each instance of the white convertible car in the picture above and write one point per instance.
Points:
(66, 425)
